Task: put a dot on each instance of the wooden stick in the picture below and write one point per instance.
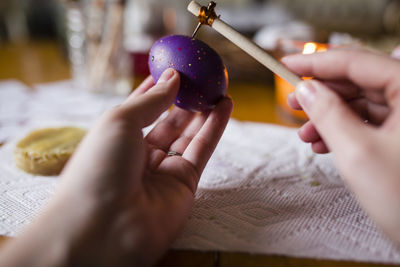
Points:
(249, 47)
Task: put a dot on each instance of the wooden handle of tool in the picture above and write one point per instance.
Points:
(249, 47)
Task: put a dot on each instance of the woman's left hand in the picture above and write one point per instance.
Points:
(122, 199)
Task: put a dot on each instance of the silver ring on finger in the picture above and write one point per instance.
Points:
(174, 153)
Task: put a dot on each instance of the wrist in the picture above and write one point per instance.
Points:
(48, 240)
(103, 233)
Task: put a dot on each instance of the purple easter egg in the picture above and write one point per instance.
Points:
(204, 78)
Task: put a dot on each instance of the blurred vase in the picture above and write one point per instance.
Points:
(99, 62)
(145, 22)
(76, 43)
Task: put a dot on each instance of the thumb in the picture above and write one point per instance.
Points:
(337, 124)
(146, 108)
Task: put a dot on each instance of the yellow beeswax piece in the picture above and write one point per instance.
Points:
(45, 151)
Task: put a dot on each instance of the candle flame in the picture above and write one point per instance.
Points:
(309, 48)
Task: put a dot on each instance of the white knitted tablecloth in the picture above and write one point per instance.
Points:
(263, 191)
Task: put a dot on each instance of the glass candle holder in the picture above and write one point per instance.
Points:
(283, 88)
(99, 62)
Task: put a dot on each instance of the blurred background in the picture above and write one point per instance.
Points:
(103, 44)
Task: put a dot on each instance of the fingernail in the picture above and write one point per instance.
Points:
(285, 59)
(289, 98)
(167, 74)
(396, 53)
(305, 94)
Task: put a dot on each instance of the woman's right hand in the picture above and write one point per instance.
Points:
(354, 109)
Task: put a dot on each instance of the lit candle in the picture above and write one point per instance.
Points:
(283, 88)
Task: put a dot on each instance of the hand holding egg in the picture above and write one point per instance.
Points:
(204, 78)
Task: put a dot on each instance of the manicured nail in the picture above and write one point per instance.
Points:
(396, 52)
(289, 99)
(285, 59)
(167, 74)
(305, 94)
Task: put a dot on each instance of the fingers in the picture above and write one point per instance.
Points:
(169, 129)
(180, 144)
(335, 122)
(142, 88)
(392, 122)
(320, 147)
(203, 144)
(352, 65)
(345, 89)
(308, 133)
(292, 102)
(369, 111)
(377, 114)
(145, 108)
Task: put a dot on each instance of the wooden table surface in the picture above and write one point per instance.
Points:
(43, 61)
